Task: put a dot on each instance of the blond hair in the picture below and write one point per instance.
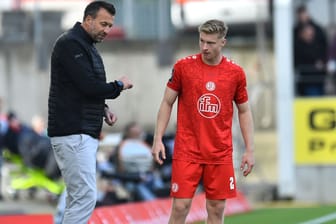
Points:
(214, 26)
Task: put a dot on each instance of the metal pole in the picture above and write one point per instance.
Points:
(284, 96)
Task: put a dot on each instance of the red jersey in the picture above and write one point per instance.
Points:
(205, 108)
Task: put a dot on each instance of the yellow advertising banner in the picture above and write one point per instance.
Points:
(315, 131)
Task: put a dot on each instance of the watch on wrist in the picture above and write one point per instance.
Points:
(120, 84)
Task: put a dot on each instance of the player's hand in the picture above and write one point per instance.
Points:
(158, 151)
(110, 117)
(126, 81)
(247, 163)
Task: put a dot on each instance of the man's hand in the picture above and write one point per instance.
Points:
(247, 163)
(110, 117)
(158, 151)
(127, 83)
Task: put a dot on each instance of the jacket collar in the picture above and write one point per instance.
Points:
(82, 32)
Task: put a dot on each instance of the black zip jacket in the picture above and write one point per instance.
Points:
(78, 87)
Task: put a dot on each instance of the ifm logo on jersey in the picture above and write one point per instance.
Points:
(208, 104)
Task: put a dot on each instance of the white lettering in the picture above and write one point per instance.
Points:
(207, 106)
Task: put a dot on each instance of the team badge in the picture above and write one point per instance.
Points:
(210, 86)
(208, 105)
(174, 187)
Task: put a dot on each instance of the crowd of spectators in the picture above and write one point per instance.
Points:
(128, 174)
(29, 143)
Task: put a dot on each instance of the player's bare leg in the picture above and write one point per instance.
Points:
(215, 209)
(180, 210)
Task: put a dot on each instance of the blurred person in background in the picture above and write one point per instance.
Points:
(330, 84)
(3, 121)
(39, 125)
(133, 157)
(3, 131)
(78, 90)
(16, 131)
(302, 18)
(310, 54)
(50, 167)
(34, 149)
(206, 85)
(126, 157)
(309, 62)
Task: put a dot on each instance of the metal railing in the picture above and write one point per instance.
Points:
(309, 81)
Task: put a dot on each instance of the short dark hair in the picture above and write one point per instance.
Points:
(300, 9)
(92, 8)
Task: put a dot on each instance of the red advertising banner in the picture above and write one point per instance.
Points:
(27, 219)
(158, 211)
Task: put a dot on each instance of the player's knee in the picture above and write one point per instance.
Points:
(215, 207)
(181, 208)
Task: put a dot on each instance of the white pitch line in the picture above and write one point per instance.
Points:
(322, 219)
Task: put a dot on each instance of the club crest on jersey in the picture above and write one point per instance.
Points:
(174, 187)
(210, 86)
(208, 105)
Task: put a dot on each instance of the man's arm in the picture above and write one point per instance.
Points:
(76, 62)
(158, 150)
(246, 126)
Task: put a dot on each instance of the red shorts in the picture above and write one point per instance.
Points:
(218, 180)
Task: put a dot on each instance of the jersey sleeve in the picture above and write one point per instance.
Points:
(175, 80)
(241, 95)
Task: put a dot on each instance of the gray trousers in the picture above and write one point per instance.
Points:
(76, 158)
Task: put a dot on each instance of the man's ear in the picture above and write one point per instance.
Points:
(88, 19)
(223, 42)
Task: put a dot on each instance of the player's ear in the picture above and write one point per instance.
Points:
(223, 42)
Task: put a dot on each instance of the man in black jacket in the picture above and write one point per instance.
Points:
(77, 94)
